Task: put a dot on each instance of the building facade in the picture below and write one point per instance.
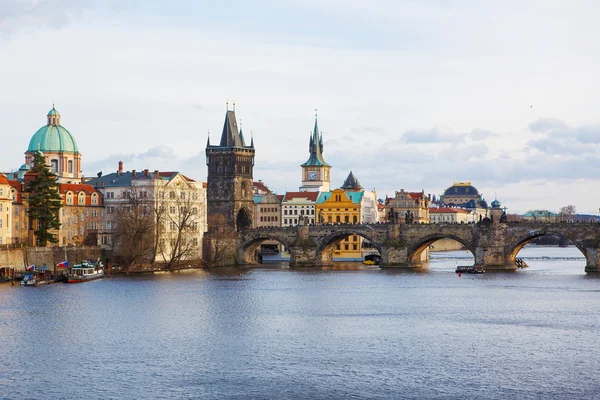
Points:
(297, 206)
(170, 197)
(414, 205)
(450, 215)
(81, 215)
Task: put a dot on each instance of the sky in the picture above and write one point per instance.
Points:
(411, 95)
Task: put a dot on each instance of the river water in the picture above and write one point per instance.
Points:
(343, 332)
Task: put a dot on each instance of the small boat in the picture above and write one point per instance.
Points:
(369, 262)
(36, 277)
(86, 271)
(469, 269)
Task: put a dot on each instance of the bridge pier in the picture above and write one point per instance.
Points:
(592, 259)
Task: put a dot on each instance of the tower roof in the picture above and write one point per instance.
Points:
(231, 135)
(315, 148)
(351, 183)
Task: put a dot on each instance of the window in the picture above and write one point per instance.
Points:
(173, 225)
(54, 166)
(70, 166)
(172, 209)
(345, 247)
(171, 195)
(0, 222)
(182, 195)
(354, 247)
(81, 198)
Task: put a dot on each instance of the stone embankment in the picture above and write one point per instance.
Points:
(20, 258)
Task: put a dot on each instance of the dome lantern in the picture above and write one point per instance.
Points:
(53, 116)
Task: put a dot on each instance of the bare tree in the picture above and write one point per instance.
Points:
(567, 213)
(178, 241)
(134, 227)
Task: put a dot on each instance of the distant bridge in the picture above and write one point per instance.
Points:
(494, 245)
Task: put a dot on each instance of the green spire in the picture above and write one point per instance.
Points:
(315, 147)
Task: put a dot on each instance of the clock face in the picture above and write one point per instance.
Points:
(312, 175)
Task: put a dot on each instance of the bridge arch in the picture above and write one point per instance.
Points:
(249, 245)
(513, 248)
(327, 245)
(415, 250)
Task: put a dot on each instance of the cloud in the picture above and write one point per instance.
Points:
(16, 15)
(481, 134)
(437, 134)
(557, 138)
(546, 124)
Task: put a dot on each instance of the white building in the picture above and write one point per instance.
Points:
(167, 193)
(296, 205)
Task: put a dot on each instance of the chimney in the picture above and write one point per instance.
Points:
(120, 170)
(133, 173)
(146, 172)
(156, 175)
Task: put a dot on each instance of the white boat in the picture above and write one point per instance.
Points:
(86, 271)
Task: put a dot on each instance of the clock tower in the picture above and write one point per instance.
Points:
(315, 171)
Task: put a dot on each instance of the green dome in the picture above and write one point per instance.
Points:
(53, 138)
(53, 112)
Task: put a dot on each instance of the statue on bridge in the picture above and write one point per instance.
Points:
(392, 216)
(409, 217)
(503, 217)
(321, 218)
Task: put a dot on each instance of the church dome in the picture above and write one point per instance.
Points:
(53, 137)
(461, 189)
(496, 204)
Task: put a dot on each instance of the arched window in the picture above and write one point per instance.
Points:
(81, 199)
(69, 197)
(70, 166)
(54, 165)
(94, 199)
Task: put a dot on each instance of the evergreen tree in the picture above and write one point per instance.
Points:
(44, 200)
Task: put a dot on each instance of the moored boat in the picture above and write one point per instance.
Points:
(469, 269)
(36, 276)
(86, 271)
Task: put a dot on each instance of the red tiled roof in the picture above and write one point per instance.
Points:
(447, 210)
(280, 197)
(18, 188)
(260, 186)
(312, 196)
(76, 188)
(3, 179)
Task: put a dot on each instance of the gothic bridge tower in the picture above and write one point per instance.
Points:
(229, 191)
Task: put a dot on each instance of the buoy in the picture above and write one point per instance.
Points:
(239, 274)
(459, 274)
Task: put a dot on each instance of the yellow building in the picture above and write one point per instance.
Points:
(342, 207)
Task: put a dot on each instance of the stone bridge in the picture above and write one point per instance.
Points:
(494, 246)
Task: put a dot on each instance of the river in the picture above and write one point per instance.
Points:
(343, 332)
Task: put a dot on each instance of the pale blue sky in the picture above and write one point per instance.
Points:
(411, 94)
